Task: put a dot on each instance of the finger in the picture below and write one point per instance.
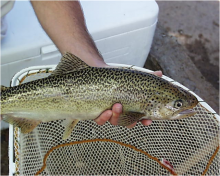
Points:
(146, 122)
(158, 73)
(104, 117)
(116, 111)
(132, 125)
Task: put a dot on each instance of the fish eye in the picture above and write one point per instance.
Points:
(178, 104)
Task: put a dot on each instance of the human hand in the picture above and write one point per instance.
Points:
(113, 115)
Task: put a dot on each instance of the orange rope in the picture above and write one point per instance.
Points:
(210, 161)
(101, 140)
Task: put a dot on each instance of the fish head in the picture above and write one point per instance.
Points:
(174, 103)
(178, 109)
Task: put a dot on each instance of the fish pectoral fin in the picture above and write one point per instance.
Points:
(69, 126)
(26, 125)
(69, 63)
(128, 118)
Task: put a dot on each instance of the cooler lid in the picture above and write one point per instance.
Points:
(25, 36)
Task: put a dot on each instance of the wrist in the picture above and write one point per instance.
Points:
(91, 59)
(99, 63)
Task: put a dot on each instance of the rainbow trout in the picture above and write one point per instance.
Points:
(75, 91)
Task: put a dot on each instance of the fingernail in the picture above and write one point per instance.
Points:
(118, 109)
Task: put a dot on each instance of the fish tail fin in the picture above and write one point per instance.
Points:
(26, 125)
(69, 126)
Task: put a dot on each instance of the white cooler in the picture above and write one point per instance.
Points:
(122, 31)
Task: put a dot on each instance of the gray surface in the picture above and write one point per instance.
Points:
(186, 47)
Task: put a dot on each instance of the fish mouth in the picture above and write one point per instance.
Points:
(184, 114)
(187, 111)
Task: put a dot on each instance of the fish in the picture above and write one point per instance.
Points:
(76, 91)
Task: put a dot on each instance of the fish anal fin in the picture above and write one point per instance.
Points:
(128, 118)
(69, 63)
(69, 126)
(26, 125)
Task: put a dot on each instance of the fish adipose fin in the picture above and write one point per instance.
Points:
(3, 88)
(129, 117)
(26, 125)
(69, 63)
(69, 126)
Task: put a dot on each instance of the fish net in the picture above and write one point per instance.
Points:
(179, 147)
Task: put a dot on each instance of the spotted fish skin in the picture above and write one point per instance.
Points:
(84, 92)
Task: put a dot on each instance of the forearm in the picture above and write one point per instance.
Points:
(64, 22)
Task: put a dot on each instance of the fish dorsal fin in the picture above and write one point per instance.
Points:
(69, 63)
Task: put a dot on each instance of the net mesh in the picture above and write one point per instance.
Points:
(179, 147)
